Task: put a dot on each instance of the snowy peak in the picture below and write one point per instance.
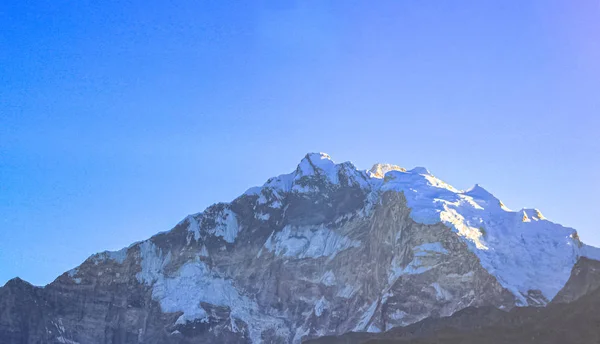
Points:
(281, 263)
(317, 164)
(379, 170)
(420, 170)
(520, 248)
(316, 172)
(478, 192)
(484, 198)
(532, 214)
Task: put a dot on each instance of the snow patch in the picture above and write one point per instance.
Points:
(422, 254)
(328, 278)
(347, 291)
(227, 226)
(366, 317)
(318, 164)
(441, 294)
(590, 252)
(152, 262)
(415, 267)
(73, 272)
(300, 333)
(117, 256)
(398, 315)
(379, 170)
(193, 227)
(64, 340)
(373, 329)
(62, 335)
(262, 216)
(429, 248)
(320, 306)
(193, 283)
(203, 251)
(308, 242)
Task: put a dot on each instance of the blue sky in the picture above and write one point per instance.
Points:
(117, 119)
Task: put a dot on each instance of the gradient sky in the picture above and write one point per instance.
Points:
(119, 118)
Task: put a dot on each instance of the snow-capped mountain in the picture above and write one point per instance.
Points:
(324, 250)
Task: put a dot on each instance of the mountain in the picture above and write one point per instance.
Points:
(324, 250)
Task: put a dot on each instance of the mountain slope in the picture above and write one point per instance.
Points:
(326, 249)
(470, 324)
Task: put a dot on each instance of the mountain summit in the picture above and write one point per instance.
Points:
(323, 250)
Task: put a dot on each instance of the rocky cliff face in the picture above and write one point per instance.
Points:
(557, 323)
(561, 322)
(585, 278)
(324, 250)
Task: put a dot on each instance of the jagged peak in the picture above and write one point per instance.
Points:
(315, 164)
(321, 165)
(379, 170)
(480, 194)
(525, 216)
(17, 281)
(419, 170)
(533, 213)
(478, 191)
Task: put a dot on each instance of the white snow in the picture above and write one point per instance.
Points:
(64, 340)
(441, 294)
(429, 248)
(366, 317)
(347, 291)
(117, 256)
(194, 226)
(262, 216)
(373, 329)
(419, 264)
(193, 283)
(152, 262)
(328, 278)
(398, 315)
(318, 164)
(308, 242)
(379, 170)
(590, 252)
(62, 335)
(522, 255)
(227, 226)
(73, 272)
(415, 267)
(523, 250)
(320, 306)
(300, 333)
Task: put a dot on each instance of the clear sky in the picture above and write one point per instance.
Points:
(119, 118)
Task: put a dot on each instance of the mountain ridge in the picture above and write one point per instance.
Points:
(325, 249)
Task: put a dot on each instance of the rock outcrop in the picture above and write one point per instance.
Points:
(560, 322)
(585, 278)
